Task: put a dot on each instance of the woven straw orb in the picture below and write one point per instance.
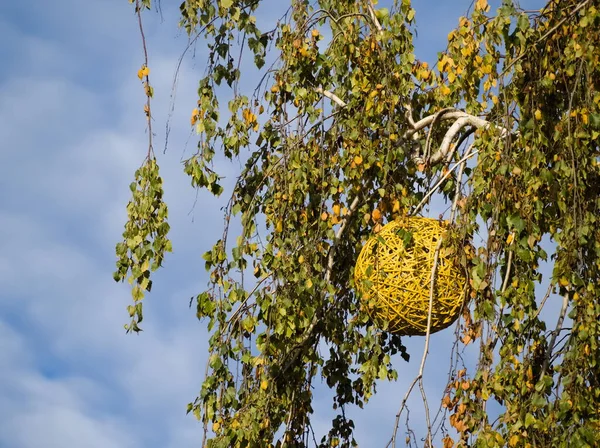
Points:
(393, 277)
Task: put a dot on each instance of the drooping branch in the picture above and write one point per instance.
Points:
(330, 261)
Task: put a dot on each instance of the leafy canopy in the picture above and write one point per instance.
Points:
(346, 130)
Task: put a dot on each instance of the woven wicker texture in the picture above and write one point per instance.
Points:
(393, 278)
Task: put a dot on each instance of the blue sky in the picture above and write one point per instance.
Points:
(72, 130)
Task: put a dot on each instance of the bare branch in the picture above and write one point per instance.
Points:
(338, 235)
(462, 119)
(374, 17)
(419, 377)
(559, 324)
(332, 96)
(443, 178)
(408, 115)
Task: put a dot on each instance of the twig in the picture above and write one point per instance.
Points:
(458, 184)
(138, 10)
(427, 338)
(443, 178)
(419, 377)
(542, 303)
(559, 323)
(392, 441)
(234, 315)
(175, 81)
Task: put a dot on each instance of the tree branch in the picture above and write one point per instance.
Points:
(559, 323)
(374, 17)
(332, 96)
(330, 260)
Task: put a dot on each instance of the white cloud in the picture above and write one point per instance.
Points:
(75, 378)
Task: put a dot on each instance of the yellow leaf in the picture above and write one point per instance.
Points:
(585, 118)
(481, 5)
(264, 384)
(301, 259)
(315, 33)
(216, 426)
(324, 216)
(308, 284)
(144, 71)
(194, 118)
(336, 209)
(510, 238)
(358, 160)
(563, 281)
(376, 215)
(279, 226)
(537, 114)
(248, 116)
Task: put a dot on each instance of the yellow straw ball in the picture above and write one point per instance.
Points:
(393, 277)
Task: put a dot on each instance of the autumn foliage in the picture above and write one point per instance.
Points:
(347, 130)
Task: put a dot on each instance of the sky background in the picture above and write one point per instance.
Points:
(72, 134)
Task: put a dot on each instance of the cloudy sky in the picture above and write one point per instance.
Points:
(72, 134)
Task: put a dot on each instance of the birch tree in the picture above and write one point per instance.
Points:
(347, 130)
